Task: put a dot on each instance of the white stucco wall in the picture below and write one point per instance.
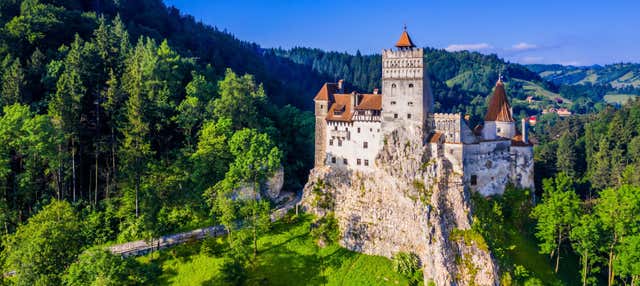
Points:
(352, 146)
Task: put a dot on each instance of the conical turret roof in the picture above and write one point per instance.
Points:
(499, 108)
(405, 40)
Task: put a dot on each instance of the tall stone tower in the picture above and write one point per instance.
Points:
(322, 101)
(407, 97)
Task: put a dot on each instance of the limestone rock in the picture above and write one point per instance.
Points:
(409, 202)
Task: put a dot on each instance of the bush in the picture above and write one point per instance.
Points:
(233, 272)
(211, 246)
(406, 263)
(327, 229)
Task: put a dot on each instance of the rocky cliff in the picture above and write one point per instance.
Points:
(413, 202)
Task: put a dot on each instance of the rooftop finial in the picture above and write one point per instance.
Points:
(404, 27)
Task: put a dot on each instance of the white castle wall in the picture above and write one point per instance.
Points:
(348, 144)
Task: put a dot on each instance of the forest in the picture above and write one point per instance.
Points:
(117, 125)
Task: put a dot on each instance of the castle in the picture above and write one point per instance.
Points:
(351, 127)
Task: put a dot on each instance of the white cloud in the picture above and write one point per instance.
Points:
(531, 60)
(468, 47)
(522, 46)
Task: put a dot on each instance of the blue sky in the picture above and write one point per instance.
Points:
(542, 31)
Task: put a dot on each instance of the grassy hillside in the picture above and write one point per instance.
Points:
(288, 256)
(617, 75)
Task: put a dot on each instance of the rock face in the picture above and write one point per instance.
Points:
(409, 202)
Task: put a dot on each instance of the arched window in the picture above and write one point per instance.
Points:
(393, 103)
(411, 85)
(393, 85)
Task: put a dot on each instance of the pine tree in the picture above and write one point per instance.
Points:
(13, 84)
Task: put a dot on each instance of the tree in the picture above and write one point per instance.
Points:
(240, 100)
(585, 239)
(566, 156)
(49, 242)
(628, 260)
(618, 210)
(556, 215)
(13, 83)
(100, 267)
(212, 157)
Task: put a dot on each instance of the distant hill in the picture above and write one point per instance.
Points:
(617, 75)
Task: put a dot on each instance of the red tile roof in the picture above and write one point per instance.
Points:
(435, 137)
(341, 110)
(327, 91)
(499, 108)
(405, 40)
(370, 102)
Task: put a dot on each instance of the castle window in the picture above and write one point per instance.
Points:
(345, 161)
(410, 103)
(333, 160)
(498, 129)
(335, 127)
(358, 129)
(393, 85)
(321, 106)
(411, 85)
(395, 115)
(330, 142)
(359, 162)
(393, 103)
(474, 180)
(366, 162)
(370, 129)
(339, 142)
(409, 116)
(365, 145)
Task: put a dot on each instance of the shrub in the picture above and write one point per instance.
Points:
(406, 263)
(211, 246)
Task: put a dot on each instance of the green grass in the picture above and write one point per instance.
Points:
(618, 98)
(287, 256)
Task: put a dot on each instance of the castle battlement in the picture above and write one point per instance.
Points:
(351, 126)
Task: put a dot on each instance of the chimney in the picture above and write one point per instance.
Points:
(375, 90)
(525, 127)
(341, 86)
(354, 99)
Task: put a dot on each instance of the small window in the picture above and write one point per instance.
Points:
(410, 103)
(393, 103)
(393, 85)
(335, 127)
(370, 129)
(365, 145)
(333, 160)
(378, 130)
(321, 106)
(409, 116)
(474, 180)
(346, 129)
(359, 162)
(345, 161)
(339, 143)
(395, 115)
(411, 85)
(330, 142)
(358, 129)
(366, 162)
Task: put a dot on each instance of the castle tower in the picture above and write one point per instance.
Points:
(499, 122)
(407, 97)
(322, 101)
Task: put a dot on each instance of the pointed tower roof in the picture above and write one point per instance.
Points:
(499, 108)
(405, 40)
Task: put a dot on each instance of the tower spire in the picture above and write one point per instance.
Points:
(405, 41)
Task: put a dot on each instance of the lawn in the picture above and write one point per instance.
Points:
(287, 255)
(618, 98)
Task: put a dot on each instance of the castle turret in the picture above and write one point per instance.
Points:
(499, 122)
(322, 101)
(405, 85)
